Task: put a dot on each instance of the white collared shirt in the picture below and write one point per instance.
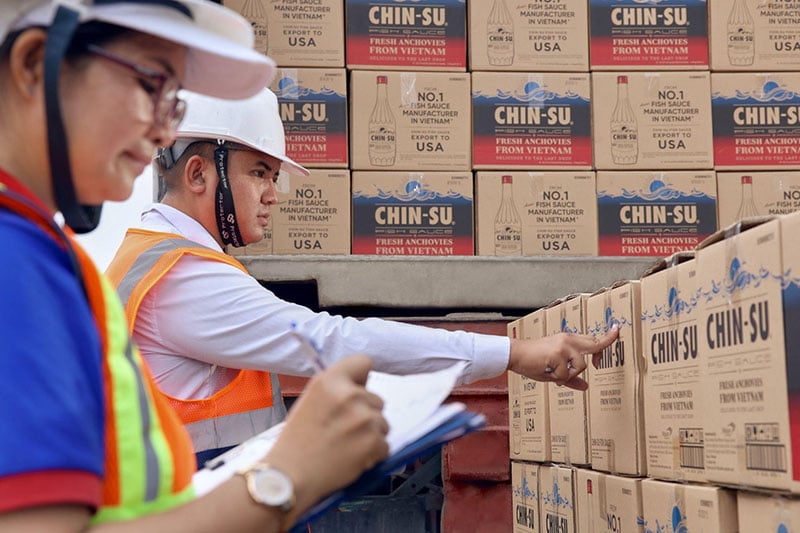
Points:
(205, 318)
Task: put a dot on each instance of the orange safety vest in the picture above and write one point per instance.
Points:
(148, 456)
(249, 404)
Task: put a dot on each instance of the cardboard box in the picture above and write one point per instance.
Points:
(616, 410)
(654, 213)
(533, 443)
(754, 35)
(296, 34)
(557, 499)
(630, 34)
(540, 35)
(681, 507)
(514, 398)
(756, 120)
(413, 213)
(313, 217)
(531, 120)
(751, 409)
(764, 193)
(395, 34)
(607, 503)
(652, 120)
(767, 512)
(525, 496)
(672, 371)
(569, 408)
(536, 213)
(416, 121)
(313, 106)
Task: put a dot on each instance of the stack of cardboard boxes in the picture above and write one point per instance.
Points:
(538, 128)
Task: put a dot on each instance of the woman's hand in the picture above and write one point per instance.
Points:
(333, 433)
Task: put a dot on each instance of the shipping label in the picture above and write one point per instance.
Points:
(652, 35)
(413, 35)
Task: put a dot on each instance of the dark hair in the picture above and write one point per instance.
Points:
(168, 177)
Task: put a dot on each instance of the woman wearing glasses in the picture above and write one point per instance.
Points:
(88, 92)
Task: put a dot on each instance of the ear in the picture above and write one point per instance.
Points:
(26, 62)
(195, 174)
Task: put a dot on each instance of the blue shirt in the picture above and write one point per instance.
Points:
(51, 387)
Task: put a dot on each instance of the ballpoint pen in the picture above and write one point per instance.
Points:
(310, 350)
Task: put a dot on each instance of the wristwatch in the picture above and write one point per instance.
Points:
(269, 486)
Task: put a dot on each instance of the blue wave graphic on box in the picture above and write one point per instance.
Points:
(532, 92)
(770, 92)
(675, 307)
(567, 328)
(678, 520)
(739, 278)
(289, 89)
(610, 320)
(524, 490)
(556, 499)
(658, 191)
(414, 191)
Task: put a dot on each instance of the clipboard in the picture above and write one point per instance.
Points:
(460, 424)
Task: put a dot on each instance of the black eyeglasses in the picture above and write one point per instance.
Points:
(168, 109)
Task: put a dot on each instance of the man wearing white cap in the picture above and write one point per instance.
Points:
(88, 92)
(210, 332)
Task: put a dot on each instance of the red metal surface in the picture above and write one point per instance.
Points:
(481, 456)
(477, 508)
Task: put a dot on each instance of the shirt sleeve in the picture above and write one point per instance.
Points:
(51, 398)
(215, 313)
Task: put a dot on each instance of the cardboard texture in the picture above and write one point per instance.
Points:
(525, 497)
(540, 35)
(532, 442)
(557, 499)
(765, 512)
(531, 121)
(412, 213)
(673, 377)
(654, 213)
(296, 33)
(616, 409)
(756, 120)
(630, 34)
(748, 314)
(543, 213)
(415, 121)
(755, 35)
(607, 503)
(395, 34)
(678, 507)
(313, 107)
(652, 120)
(569, 408)
(764, 193)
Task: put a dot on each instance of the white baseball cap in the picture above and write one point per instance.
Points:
(254, 122)
(220, 59)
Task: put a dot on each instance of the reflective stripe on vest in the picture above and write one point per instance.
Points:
(148, 457)
(249, 404)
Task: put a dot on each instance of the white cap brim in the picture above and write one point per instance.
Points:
(220, 59)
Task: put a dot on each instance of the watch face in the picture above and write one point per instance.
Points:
(273, 488)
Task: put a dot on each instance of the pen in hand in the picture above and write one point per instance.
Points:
(309, 350)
